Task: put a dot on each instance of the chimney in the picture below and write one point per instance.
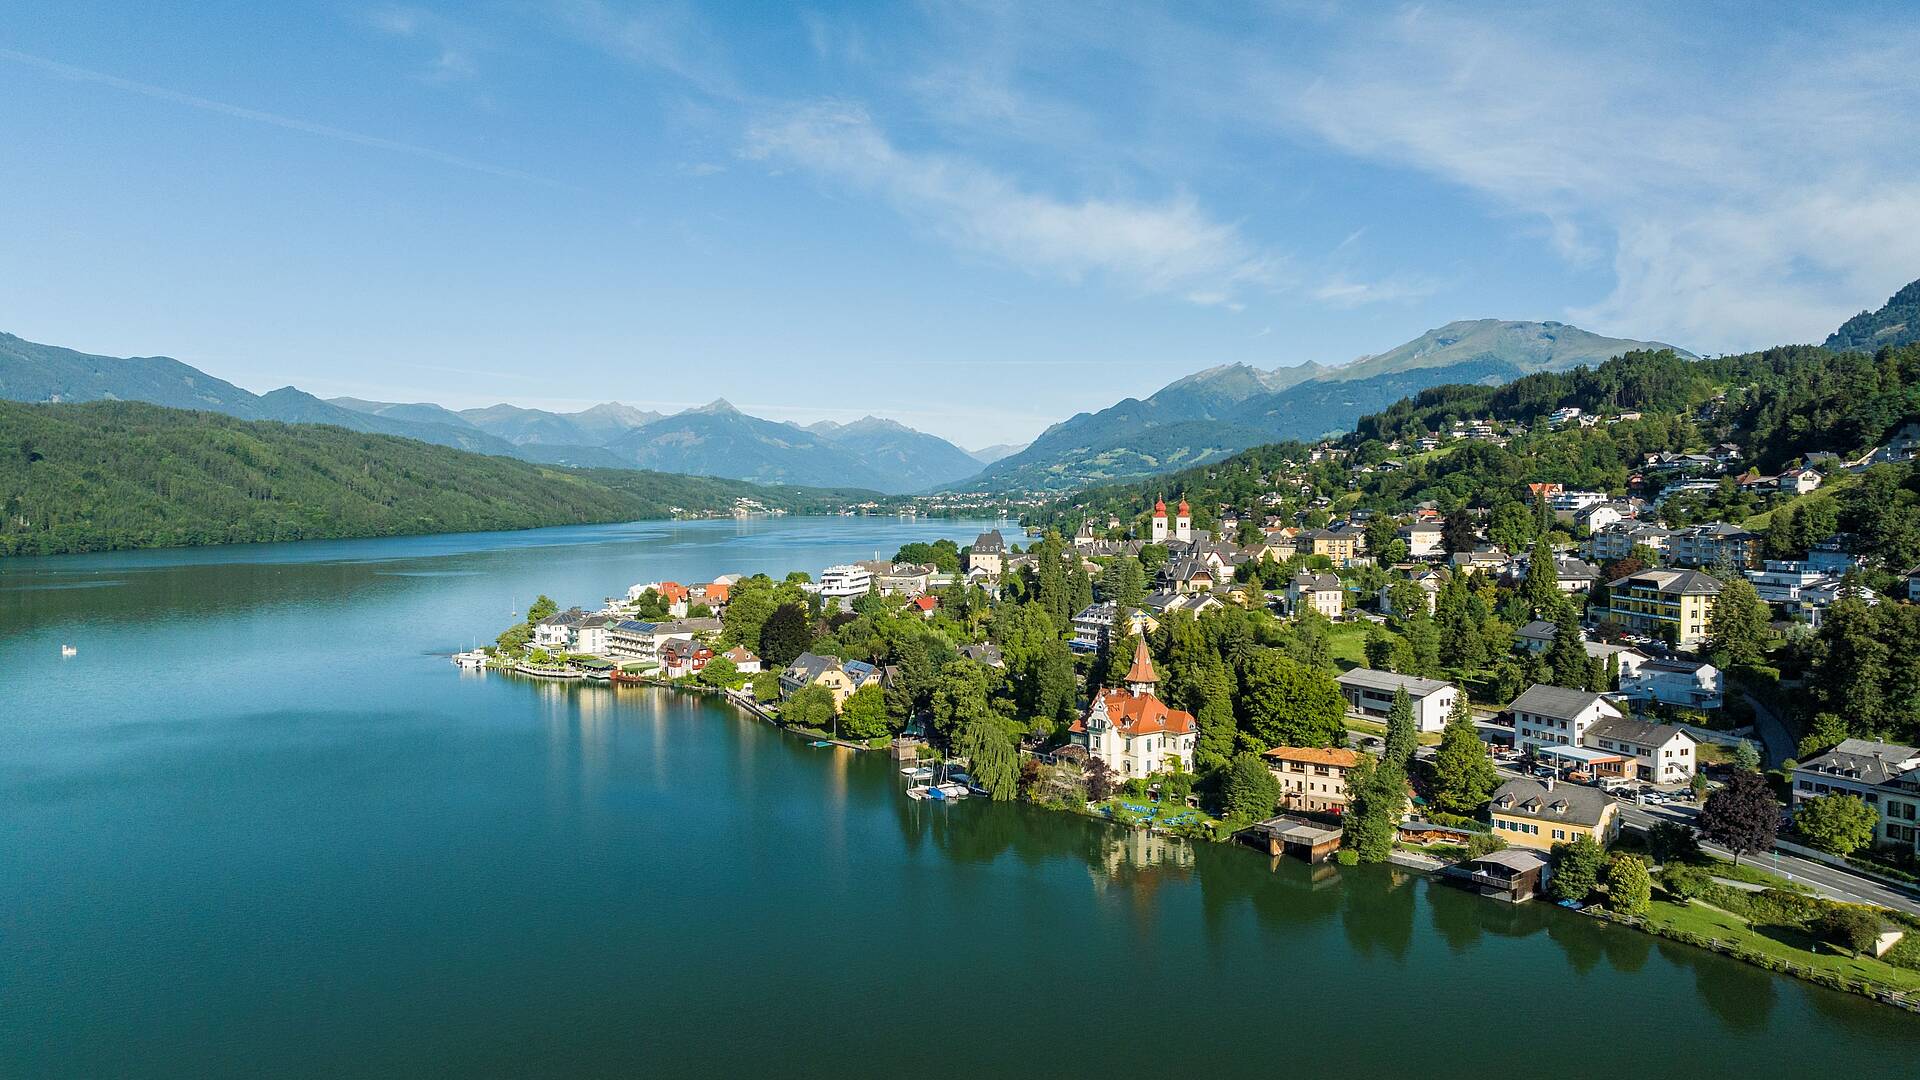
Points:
(1550, 781)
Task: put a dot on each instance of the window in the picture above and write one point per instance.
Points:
(1559, 834)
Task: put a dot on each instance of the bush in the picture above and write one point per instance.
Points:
(1850, 926)
(1576, 868)
(1483, 843)
(1629, 890)
(1685, 883)
(1347, 857)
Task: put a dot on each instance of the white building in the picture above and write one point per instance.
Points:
(845, 582)
(1663, 753)
(1133, 731)
(1370, 693)
(1424, 539)
(1556, 716)
(1321, 592)
(1689, 684)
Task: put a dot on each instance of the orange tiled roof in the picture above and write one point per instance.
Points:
(1145, 714)
(1316, 755)
(1142, 670)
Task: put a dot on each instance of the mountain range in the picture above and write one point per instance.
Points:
(1221, 410)
(1202, 417)
(1896, 323)
(715, 440)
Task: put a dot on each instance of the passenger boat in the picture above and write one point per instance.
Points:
(548, 672)
(625, 678)
(471, 659)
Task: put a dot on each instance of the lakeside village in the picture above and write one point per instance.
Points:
(1560, 699)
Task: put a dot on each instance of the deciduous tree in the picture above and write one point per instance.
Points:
(1837, 824)
(1742, 816)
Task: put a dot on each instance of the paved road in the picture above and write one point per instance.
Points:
(1773, 732)
(1826, 880)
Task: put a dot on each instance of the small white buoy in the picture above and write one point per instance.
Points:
(68, 650)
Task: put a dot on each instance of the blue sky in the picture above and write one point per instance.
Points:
(975, 218)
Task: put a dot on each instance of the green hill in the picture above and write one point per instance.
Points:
(1896, 323)
(100, 476)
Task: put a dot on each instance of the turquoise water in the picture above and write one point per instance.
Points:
(260, 827)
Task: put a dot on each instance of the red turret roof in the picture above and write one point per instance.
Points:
(1160, 508)
(1142, 670)
(1184, 511)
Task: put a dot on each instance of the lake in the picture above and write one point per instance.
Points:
(259, 826)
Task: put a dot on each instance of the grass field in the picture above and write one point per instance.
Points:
(1783, 943)
(1840, 482)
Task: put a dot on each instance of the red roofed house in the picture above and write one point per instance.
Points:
(926, 604)
(1133, 731)
(675, 595)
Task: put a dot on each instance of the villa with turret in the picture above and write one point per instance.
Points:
(1131, 729)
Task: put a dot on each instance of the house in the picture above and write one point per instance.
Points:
(811, 669)
(1674, 605)
(1430, 582)
(590, 635)
(926, 605)
(1600, 515)
(1691, 684)
(1662, 753)
(557, 631)
(1550, 716)
(1781, 581)
(1320, 592)
(1093, 627)
(987, 554)
(1188, 575)
(1535, 637)
(1618, 540)
(905, 579)
(1512, 874)
(743, 659)
(1884, 775)
(1564, 415)
(846, 581)
(1132, 730)
(684, 656)
(1288, 835)
(1712, 545)
(1486, 557)
(1572, 502)
(1913, 585)
(1627, 657)
(1424, 539)
(1343, 543)
(638, 641)
(1535, 815)
(1570, 575)
(1799, 481)
(1311, 777)
(986, 654)
(1370, 693)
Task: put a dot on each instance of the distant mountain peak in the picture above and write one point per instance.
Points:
(718, 406)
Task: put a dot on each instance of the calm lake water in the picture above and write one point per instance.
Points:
(260, 827)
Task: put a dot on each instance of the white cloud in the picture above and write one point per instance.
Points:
(1744, 195)
(455, 48)
(1167, 246)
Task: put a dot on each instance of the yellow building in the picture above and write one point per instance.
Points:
(1672, 605)
(1535, 815)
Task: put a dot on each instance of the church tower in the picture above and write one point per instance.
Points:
(1183, 525)
(1160, 522)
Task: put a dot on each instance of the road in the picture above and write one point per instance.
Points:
(1828, 881)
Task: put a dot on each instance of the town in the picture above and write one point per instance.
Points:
(1575, 695)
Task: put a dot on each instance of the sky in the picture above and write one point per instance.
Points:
(975, 218)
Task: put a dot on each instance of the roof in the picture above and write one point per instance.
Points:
(1537, 630)
(1566, 802)
(1337, 757)
(1677, 582)
(1140, 714)
(1519, 860)
(1558, 702)
(988, 543)
(1676, 666)
(1318, 582)
(810, 666)
(1621, 729)
(740, 654)
(1371, 679)
(1862, 760)
(1142, 669)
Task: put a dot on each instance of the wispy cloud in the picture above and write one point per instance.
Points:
(1742, 197)
(308, 127)
(1168, 246)
(454, 48)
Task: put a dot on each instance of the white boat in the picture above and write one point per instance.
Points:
(68, 650)
(471, 659)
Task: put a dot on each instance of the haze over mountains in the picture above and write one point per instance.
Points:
(1222, 410)
(1201, 417)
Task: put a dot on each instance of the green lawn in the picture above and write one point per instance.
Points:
(1840, 482)
(1373, 727)
(1349, 643)
(1783, 943)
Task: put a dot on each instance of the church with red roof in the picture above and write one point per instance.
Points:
(1132, 730)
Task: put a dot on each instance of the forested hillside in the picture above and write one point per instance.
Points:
(1777, 406)
(107, 475)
